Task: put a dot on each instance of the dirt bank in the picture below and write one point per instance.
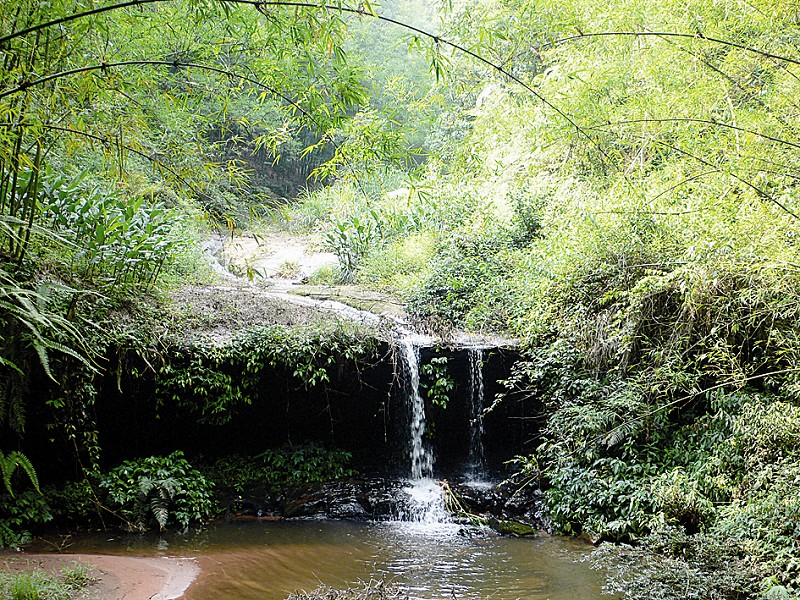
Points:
(117, 577)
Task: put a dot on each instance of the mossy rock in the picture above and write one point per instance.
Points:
(508, 527)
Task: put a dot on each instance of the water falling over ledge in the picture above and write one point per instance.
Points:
(477, 459)
(426, 503)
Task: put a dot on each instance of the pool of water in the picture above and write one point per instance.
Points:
(269, 560)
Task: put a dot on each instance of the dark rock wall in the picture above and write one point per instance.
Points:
(510, 429)
(363, 411)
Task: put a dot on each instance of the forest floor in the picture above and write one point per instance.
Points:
(115, 577)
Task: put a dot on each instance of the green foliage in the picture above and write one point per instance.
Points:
(213, 378)
(70, 583)
(400, 266)
(350, 241)
(679, 499)
(205, 112)
(31, 323)
(671, 565)
(619, 194)
(19, 513)
(12, 461)
(159, 490)
(467, 283)
(278, 468)
(435, 379)
(76, 576)
(120, 241)
(74, 502)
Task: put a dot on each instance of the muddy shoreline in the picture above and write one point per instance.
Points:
(116, 577)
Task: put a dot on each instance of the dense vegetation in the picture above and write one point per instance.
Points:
(622, 198)
(612, 183)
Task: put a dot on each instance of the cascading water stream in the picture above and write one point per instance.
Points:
(477, 459)
(421, 457)
(426, 497)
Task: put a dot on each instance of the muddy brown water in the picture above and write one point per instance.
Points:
(269, 560)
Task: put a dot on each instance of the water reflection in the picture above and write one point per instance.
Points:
(267, 561)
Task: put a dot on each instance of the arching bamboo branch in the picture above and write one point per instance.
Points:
(713, 122)
(674, 34)
(162, 63)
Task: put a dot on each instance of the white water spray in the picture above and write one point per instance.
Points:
(426, 500)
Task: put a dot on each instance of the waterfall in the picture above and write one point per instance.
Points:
(421, 456)
(476, 391)
(426, 499)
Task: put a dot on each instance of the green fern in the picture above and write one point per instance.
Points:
(9, 464)
(42, 326)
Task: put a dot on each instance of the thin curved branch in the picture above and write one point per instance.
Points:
(111, 141)
(667, 34)
(73, 17)
(259, 5)
(683, 182)
(761, 193)
(702, 121)
(128, 3)
(162, 63)
(735, 383)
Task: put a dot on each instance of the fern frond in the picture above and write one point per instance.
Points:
(4, 362)
(7, 471)
(159, 511)
(9, 464)
(24, 463)
(145, 486)
(621, 432)
(44, 359)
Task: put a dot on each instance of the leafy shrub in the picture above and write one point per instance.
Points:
(161, 490)
(75, 502)
(672, 565)
(350, 241)
(467, 283)
(677, 497)
(19, 513)
(527, 218)
(400, 265)
(315, 209)
(436, 381)
(325, 275)
(120, 241)
(273, 469)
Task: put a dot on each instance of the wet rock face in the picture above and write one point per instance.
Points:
(372, 499)
(508, 503)
(511, 507)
